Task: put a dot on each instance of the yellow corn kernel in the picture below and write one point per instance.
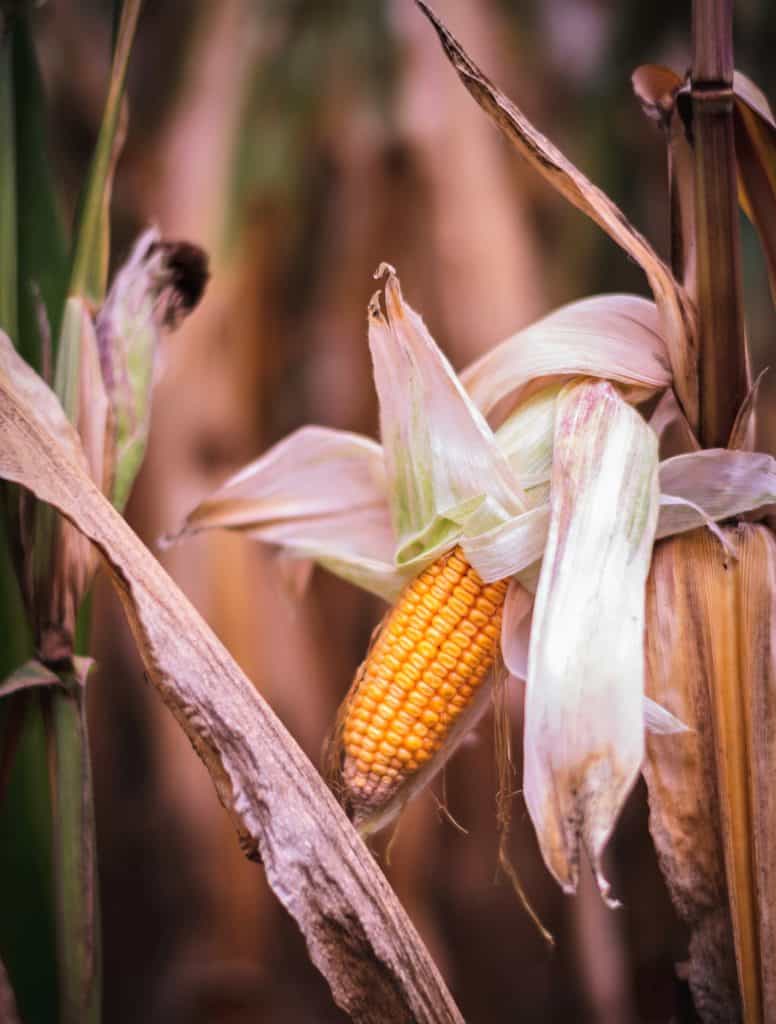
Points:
(432, 654)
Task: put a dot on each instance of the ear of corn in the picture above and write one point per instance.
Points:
(424, 671)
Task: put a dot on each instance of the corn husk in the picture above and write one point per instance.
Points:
(710, 660)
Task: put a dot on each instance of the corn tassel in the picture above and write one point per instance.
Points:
(430, 658)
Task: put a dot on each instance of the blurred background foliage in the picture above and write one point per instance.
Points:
(302, 142)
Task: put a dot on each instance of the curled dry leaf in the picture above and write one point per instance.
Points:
(676, 309)
(357, 933)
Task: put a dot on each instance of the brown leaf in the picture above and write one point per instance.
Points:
(53, 560)
(357, 933)
(656, 87)
(675, 305)
(742, 434)
(711, 659)
(659, 90)
(757, 572)
(755, 131)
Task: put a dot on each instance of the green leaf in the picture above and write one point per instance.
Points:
(42, 244)
(90, 259)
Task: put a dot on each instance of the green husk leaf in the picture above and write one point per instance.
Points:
(157, 287)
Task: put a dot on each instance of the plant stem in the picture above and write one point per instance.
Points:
(75, 855)
(724, 384)
(724, 371)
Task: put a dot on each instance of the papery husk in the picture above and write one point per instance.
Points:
(710, 660)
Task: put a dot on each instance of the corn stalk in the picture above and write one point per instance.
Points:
(710, 618)
(724, 376)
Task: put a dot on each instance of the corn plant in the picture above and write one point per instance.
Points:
(554, 517)
(522, 514)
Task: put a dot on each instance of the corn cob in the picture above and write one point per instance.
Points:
(430, 657)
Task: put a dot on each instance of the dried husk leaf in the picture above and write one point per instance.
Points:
(676, 309)
(356, 931)
(443, 465)
(616, 337)
(711, 659)
(584, 720)
(318, 494)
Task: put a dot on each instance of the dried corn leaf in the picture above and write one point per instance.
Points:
(284, 813)
(658, 89)
(681, 779)
(711, 659)
(584, 722)
(755, 132)
(676, 309)
(757, 660)
(742, 433)
(714, 484)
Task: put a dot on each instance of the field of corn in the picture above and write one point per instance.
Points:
(387, 494)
